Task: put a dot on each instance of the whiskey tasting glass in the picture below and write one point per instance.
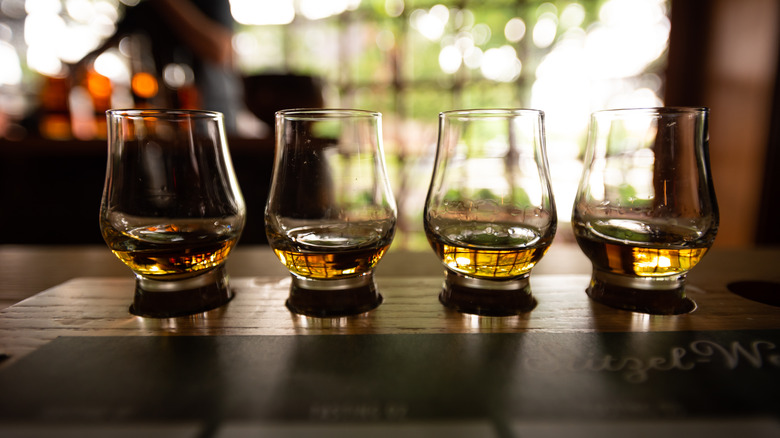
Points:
(171, 208)
(490, 214)
(645, 212)
(331, 214)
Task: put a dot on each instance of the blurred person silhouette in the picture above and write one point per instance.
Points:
(197, 34)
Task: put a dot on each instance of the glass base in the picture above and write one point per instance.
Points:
(487, 297)
(330, 298)
(654, 295)
(166, 299)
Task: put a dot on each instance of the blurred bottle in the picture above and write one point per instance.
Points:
(55, 120)
(179, 79)
(100, 90)
(90, 98)
(144, 83)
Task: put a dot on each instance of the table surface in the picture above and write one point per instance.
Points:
(74, 360)
(86, 292)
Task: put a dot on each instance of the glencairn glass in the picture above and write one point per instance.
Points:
(331, 214)
(645, 211)
(171, 209)
(490, 214)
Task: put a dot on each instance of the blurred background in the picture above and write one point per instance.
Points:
(64, 62)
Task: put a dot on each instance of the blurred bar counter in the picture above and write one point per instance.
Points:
(51, 190)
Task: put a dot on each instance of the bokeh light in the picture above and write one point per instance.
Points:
(431, 25)
(514, 30)
(263, 12)
(11, 73)
(501, 64)
(545, 30)
(112, 65)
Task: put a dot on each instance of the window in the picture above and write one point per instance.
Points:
(412, 59)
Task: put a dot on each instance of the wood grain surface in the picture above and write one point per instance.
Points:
(98, 306)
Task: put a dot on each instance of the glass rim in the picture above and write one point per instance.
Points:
(659, 110)
(160, 113)
(326, 113)
(480, 113)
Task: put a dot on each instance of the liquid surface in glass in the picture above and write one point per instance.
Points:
(487, 250)
(172, 251)
(331, 251)
(639, 248)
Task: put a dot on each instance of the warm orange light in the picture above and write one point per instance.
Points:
(55, 126)
(144, 85)
(98, 85)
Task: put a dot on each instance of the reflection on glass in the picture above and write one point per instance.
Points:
(645, 212)
(331, 214)
(490, 214)
(171, 210)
